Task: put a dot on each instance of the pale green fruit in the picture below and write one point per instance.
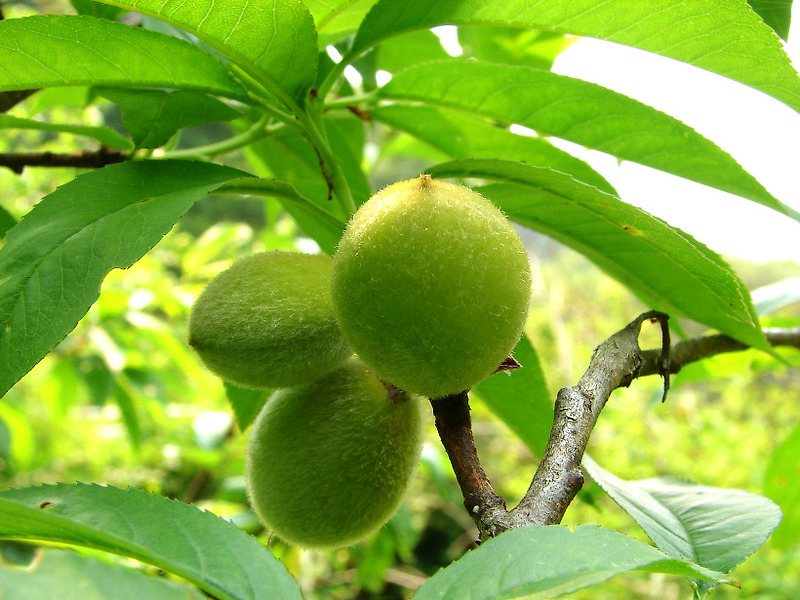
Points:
(329, 462)
(267, 321)
(431, 286)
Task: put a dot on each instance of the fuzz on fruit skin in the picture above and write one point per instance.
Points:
(268, 321)
(431, 286)
(329, 462)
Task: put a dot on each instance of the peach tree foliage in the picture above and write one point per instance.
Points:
(263, 66)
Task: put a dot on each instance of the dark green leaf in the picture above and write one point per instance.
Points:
(544, 562)
(667, 268)
(7, 221)
(782, 484)
(95, 9)
(104, 135)
(776, 13)
(153, 116)
(581, 112)
(713, 527)
(463, 135)
(54, 260)
(521, 398)
(246, 403)
(68, 50)
(204, 549)
(272, 38)
(727, 38)
(78, 577)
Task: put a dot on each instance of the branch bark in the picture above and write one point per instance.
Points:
(17, 161)
(617, 362)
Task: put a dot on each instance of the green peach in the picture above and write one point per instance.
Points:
(431, 286)
(268, 321)
(329, 462)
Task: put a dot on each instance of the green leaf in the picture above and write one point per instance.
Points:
(104, 135)
(713, 527)
(544, 562)
(726, 38)
(288, 156)
(7, 221)
(153, 116)
(95, 9)
(54, 260)
(246, 403)
(511, 45)
(273, 39)
(581, 112)
(69, 50)
(776, 13)
(336, 19)
(396, 54)
(463, 135)
(78, 577)
(521, 398)
(668, 269)
(782, 485)
(201, 548)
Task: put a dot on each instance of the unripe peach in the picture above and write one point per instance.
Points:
(431, 286)
(268, 321)
(329, 462)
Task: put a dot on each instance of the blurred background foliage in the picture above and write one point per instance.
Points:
(124, 401)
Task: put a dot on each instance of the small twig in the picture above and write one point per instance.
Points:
(81, 159)
(689, 351)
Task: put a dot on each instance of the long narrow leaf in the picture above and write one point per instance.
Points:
(581, 112)
(55, 258)
(726, 38)
(69, 50)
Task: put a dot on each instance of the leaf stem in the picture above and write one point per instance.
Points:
(328, 162)
(256, 132)
(279, 189)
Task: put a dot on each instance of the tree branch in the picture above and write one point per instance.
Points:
(17, 161)
(559, 476)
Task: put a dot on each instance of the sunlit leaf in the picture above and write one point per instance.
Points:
(69, 50)
(274, 38)
(726, 38)
(336, 19)
(581, 112)
(463, 135)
